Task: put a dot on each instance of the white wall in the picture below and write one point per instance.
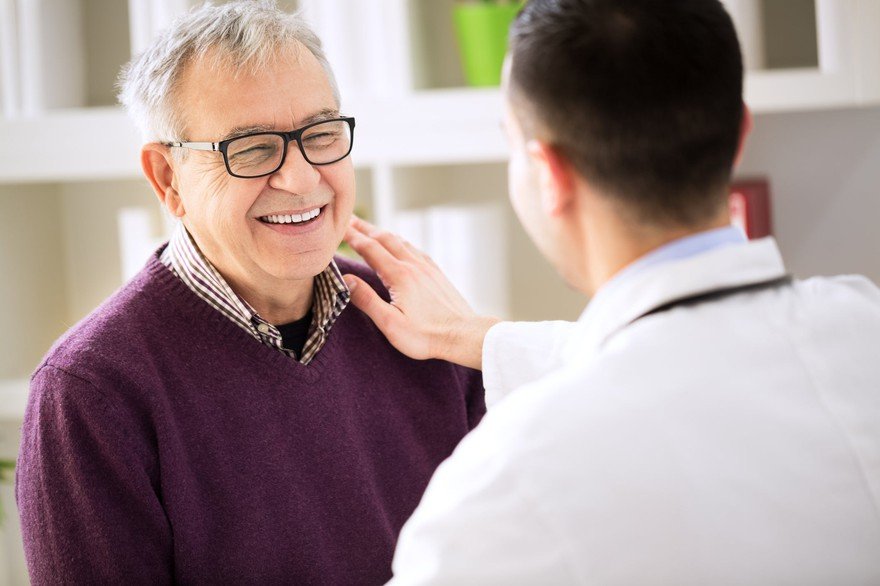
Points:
(824, 170)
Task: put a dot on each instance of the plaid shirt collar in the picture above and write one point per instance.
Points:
(186, 261)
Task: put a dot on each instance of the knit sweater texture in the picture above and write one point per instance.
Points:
(164, 444)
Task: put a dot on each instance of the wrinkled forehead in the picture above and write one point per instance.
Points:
(219, 95)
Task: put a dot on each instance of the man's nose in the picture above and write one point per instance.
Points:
(296, 175)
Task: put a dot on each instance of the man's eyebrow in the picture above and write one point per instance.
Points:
(326, 114)
(247, 129)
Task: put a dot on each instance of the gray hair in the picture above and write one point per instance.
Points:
(246, 34)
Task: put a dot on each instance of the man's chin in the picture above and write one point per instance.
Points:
(302, 266)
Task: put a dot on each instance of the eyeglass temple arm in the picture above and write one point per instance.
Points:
(198, 146)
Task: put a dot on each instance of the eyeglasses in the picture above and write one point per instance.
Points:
(263, 153)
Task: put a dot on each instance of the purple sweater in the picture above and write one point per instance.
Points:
(164, 444)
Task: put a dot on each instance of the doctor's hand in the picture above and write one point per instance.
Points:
(427, 316)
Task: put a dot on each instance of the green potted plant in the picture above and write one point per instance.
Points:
(481, 27)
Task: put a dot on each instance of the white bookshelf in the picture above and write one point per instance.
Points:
(847, 68)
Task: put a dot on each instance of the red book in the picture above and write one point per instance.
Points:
(750, 207)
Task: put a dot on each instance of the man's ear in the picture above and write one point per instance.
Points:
(555, 177)
(745, 128)
(159, 170)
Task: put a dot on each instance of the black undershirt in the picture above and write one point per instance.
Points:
(294, 334)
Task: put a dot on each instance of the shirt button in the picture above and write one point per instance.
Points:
(263, 328)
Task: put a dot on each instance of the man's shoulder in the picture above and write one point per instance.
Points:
(121, 321)
(465, 378)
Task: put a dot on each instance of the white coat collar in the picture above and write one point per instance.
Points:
(620, 302)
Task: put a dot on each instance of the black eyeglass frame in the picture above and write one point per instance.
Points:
(293, 135)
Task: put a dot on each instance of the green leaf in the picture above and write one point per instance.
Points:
(7, 468)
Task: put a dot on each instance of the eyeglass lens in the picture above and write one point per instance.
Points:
(259, 154)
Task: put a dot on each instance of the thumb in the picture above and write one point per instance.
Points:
(367, 300)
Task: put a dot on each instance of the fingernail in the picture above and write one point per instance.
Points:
(352, 283)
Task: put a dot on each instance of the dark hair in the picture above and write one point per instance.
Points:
(644, 98)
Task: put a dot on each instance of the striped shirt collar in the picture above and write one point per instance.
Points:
(185, 260)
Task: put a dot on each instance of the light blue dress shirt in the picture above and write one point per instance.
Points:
(680, 249)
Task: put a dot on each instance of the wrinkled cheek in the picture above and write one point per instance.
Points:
(344, 198)
(240, 233)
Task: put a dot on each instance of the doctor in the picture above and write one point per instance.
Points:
(708, 419)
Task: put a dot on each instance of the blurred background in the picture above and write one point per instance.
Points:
(77, 219)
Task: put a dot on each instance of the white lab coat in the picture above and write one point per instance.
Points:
(735, 441)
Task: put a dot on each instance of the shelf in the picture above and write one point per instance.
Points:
(13, 399)
(437, 127)
(69, 145)
(799, 90)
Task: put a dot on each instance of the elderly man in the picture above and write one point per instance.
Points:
(227, 417)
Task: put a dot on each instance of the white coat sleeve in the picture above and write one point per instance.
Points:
(518, 353)
(478, 523)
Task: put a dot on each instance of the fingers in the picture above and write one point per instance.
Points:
(393, 243)
(360, 223)
(389, 255)
(373, 252)
(367, 300)
(391, 321)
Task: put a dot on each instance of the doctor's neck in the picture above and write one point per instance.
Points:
(612, 238)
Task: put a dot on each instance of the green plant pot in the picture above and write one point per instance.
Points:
(482, 39)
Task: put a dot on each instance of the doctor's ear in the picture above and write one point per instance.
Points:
(745, 129)
(555, 177)
(158, 167)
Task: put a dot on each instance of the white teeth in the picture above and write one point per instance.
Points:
(292, 218)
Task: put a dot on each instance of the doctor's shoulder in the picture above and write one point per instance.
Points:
(854, 291)
(839, 313)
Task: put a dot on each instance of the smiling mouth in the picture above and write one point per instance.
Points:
(296, 219)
